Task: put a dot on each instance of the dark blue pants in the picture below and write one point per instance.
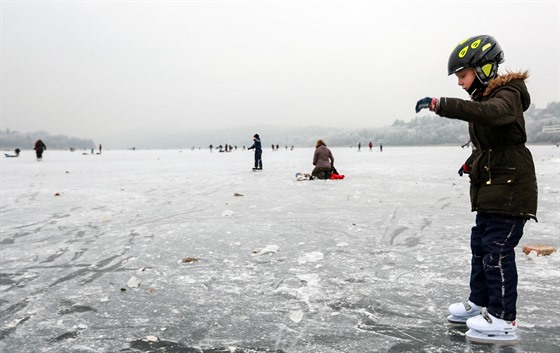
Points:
(258, 159)
(493, 272)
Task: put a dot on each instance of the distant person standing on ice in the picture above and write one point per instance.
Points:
(39, 148)
(503, 185)
(258, 151)
(323, 161)
(370, 145)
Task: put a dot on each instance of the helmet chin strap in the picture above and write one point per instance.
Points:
(476, 89)
(483, 74)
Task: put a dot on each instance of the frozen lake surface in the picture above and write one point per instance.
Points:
(191, 251)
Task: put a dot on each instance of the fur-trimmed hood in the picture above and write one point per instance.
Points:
(512, 79)
(502, 80)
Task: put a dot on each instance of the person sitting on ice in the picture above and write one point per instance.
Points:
(323, 161)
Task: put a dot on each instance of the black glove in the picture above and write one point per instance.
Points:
(428, 102)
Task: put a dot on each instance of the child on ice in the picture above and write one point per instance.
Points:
(503, 187)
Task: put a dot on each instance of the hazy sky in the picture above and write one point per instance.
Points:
(103, 68)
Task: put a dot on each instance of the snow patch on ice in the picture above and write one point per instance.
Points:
(269, 249)
(312, 279)
(313, 256)
(227, 213)
(296, 316)
(187, 279)
(133, 282)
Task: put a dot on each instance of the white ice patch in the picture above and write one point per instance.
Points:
(313, 256)
(186, 279)
(133, 282)
(312, 279)
(342, 244)
(269, 249)
(296, 316)
(227, 213)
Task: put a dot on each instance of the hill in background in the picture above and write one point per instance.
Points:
(542, 125)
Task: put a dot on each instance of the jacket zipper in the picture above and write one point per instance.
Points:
(489, 182)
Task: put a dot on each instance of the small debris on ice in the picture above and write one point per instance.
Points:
(152, 339)
(189, 260)
(541, 250)
(237, 194)
(14, 323)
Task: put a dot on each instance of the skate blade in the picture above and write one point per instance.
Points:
(479, 337)
(459, 320)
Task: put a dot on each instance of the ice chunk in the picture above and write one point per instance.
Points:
(313, 256)
(296, 316)
(133, 282)
(269, 249)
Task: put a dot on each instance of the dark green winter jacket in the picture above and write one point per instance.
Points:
(502, 173)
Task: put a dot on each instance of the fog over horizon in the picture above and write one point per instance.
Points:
(104, 70)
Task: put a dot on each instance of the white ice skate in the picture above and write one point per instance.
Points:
(461, 312)
(489, 329)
